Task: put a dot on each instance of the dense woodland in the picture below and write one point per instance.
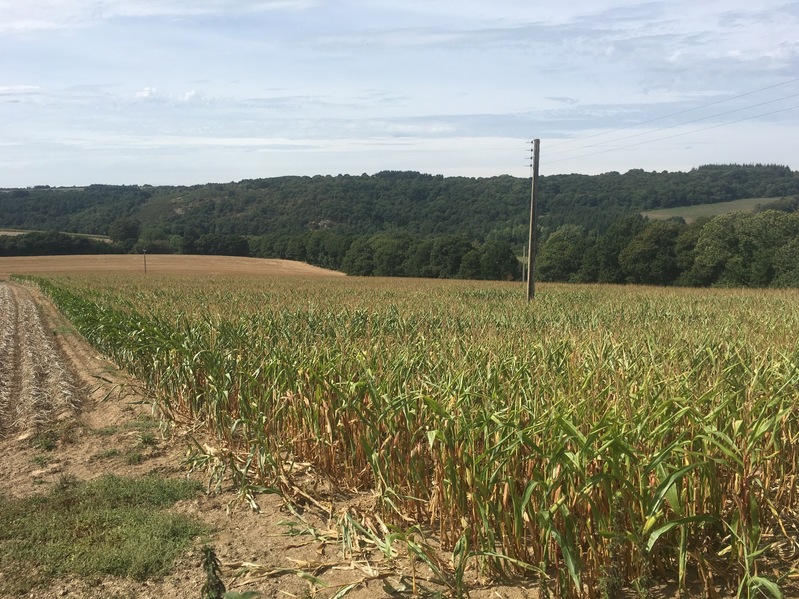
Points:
(418, 225)
(53, 243)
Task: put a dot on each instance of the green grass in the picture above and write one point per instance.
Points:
(49, 438)
(107, 431)
(109, 526)
(26, 231)
(45, 441)
(107, 454)
(148, 440)
(143, 423)
(41, 460)
(145, 426)
(134, 458)
(691, 213)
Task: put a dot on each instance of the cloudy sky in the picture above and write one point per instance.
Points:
(192, 91)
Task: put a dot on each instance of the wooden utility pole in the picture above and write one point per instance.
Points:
(144, 253)
(532, 239)
(524, 264)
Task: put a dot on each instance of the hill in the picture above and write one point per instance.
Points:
(410, 224)
(494, 208)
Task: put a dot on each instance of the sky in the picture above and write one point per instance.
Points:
(182, 92)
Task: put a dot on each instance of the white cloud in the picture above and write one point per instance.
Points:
(22, 16)
(237, 76)
(19, 90)
(156, 95)
(147, 92)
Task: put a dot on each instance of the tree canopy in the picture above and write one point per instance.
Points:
(397, 223)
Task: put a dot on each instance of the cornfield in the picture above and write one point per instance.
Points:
(600, 438)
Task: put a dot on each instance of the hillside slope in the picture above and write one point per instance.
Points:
(416, 203)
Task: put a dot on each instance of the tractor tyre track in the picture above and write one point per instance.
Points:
(10, 377)
(38, 385)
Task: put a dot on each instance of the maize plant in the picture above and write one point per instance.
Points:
(600, 438)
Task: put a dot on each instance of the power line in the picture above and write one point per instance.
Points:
(673, 114)
(704, 118)
(675, 135)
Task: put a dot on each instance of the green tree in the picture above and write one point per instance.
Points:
(715, 250)
(589, 264)
(216, 244)
(650, 257)
(125, 232)
(52, 243)
(561, 255)
(359, 259)
(470, 265)
(417, 261)
(759, 237)
(389, 253)
(685, 251)
(786, 264)
(610, 245)
(740, 249)
(446, 255)
(497, 261)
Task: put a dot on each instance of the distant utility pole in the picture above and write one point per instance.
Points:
(524, 264)
(536, 150)
(144, 253)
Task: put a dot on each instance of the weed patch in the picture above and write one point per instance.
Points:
(107, 431)
(109, 526)
(41, 460)
(133, 458)
(107, 454)
(45, 441)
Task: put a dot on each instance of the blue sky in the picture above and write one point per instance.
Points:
(193, 91)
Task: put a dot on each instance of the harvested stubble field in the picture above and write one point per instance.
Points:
(159, 264)
(37, 387)
(602, 441)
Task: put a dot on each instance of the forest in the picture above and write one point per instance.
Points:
(53, 243)
(397, 223)
(739, 249)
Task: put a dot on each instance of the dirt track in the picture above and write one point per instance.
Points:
(37, 385)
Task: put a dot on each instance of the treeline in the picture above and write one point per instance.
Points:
(387, 254)
(52, 243)
(739, 249)
(418, 225)
(423, 205)
(395, 255)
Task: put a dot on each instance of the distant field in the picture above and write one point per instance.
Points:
(24, 231)
(691, 213)
(159, 264)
